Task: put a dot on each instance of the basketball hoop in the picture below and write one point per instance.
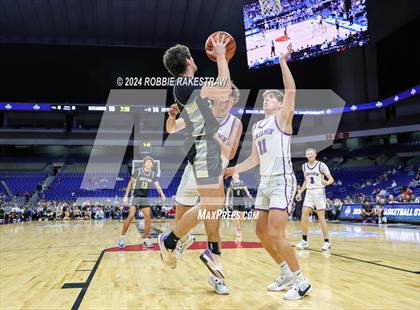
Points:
(270, 7)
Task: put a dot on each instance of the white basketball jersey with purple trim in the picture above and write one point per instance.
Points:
(315, 174)
(225, 131)
(273, 147)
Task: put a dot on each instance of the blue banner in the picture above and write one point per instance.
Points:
(406, 212)
(25, 106)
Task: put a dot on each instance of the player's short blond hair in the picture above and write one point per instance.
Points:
(278, 94)
(311, 149)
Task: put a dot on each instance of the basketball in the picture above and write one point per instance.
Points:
(230, 47)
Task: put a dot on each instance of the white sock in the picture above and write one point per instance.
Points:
(184, 238)
(298, 274)
(122, 237)
(285, 270)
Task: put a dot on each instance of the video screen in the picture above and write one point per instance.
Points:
(314, 27)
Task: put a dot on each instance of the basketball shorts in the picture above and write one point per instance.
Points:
(187, 193)
(276, 192)
(238, 204)
(205, 157)
(315, 199)
(140, 202)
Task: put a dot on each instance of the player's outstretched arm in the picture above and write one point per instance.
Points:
(224, 89)
(285, 115)
(219, 50)
(172, 123)
(247, 164)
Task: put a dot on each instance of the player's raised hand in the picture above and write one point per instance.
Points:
(173, 110)
(288, 52)
(219, 45)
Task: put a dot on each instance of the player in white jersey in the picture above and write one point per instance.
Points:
(271, 149)
(187, 194)
(314, 172)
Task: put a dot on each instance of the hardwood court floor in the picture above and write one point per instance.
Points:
(369, 268)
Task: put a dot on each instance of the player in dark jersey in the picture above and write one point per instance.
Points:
(140, 183)
(203, 150)
(238, 190)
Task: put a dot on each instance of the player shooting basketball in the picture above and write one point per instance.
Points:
(187, 194)
(203, 149)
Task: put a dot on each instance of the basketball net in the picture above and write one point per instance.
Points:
(270, 7)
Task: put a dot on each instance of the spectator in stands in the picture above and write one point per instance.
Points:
(117, 213)
(382, 193)
(67, 215)
(331, 211)
(391, 199)
(99, 214)
(380, 206)
(87, 213)
(59, 213)
(48, 214)
(2, 214)
(406, 194)
(394, 184)
(77, 213)
(368, 212)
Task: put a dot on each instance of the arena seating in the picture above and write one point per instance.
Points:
(356, 176)
(21, 182)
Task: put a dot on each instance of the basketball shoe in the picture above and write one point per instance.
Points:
(213, 262)
(219, 285)
(302, 245)
(167, 256)
(181, 247)
(299, 289)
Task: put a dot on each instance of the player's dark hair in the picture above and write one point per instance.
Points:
(235, 93)
(148, 158)
(174, 59)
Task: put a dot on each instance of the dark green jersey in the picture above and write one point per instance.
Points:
(238, 189)
(196, 111)
(142, 182)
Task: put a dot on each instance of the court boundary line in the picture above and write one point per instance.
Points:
(366, 261)
(83, 285)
